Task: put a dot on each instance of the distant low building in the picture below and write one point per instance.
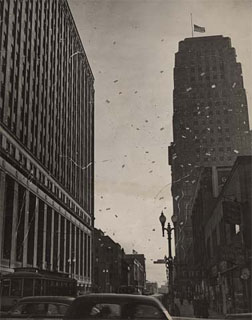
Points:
(137, 272)
(163, 289)
(108, 257)
(151, 287)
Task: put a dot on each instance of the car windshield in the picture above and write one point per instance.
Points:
(116, 311)
(39, 308)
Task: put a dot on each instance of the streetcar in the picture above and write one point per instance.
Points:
(25, 282)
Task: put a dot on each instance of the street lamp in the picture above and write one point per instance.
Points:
(169, 260)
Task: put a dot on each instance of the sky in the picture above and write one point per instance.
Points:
(131, 45)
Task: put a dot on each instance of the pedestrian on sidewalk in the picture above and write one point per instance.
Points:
(204, 308)
(181, 298)
(196, 306)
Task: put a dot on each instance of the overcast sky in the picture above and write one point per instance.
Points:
(130, 45)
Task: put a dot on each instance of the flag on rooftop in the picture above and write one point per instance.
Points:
(198, 28)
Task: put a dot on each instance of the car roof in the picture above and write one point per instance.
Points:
(47, 299)
(117, 297)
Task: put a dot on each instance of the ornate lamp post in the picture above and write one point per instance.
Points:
(169, 260)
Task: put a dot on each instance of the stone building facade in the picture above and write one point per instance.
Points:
(46, 141)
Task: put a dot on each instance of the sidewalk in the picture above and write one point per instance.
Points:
(186, 310)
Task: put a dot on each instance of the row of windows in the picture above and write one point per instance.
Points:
(207, 150)
(213, 158)
(59, 242)
(33, 63)
(205, 103)
(36, 175)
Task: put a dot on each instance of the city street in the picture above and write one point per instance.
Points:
(125, 158)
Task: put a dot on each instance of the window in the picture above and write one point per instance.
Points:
(27, 287)
(105, 310)
(16, 286)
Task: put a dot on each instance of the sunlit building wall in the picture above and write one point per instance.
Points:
(46, 140)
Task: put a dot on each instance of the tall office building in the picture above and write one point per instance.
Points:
(46, 140)
(210, 124)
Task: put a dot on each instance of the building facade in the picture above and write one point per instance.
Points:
(46, 141)
(210, 125)
(108, 269)
(137, 271)
(228, 242)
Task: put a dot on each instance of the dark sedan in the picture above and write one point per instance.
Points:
(117, 306)
(42, 307)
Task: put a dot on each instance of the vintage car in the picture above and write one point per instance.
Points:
(116, 306)
(42, 307)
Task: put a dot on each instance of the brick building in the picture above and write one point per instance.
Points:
(46, 141)
(108, 256)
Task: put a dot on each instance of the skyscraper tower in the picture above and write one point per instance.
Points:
(210, 122)
(46, 141)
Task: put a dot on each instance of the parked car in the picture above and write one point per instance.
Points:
(42, 307)
(117, 306)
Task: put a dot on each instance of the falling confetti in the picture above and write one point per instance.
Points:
(107, 101)
(116, 215)
(161, 129)
(146, 121)
(114, 42)
(74, 54)
(202, 74)
(115, 81)
(236, 151)
(108, 209)
(123, 165)
(120, 92)
(150, 171)
(184, 137)
(161, 198)
(188, 89)
(136, 92)
(234, 84)
(161, 71)
(213, 86)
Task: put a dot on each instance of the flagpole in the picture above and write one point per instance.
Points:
(191, 25)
